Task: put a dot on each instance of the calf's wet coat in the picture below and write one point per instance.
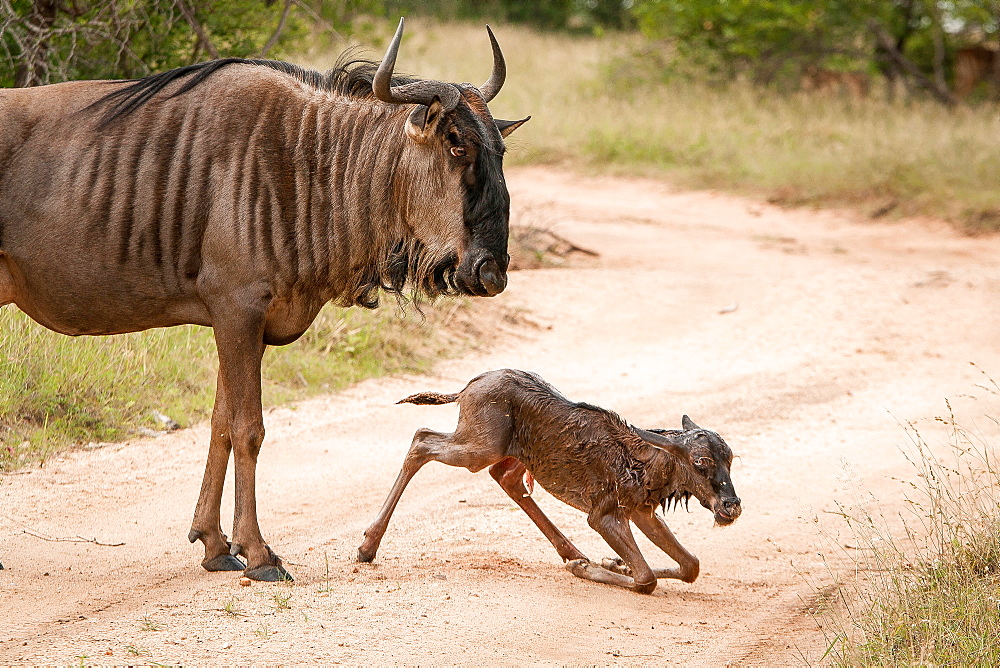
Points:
(522, 428)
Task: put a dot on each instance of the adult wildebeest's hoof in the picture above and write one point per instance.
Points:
(269, 573)
(223, 562)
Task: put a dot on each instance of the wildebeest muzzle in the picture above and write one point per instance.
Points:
(482, 273)
(728, 510)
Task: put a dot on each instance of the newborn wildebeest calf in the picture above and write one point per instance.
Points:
(525, 430)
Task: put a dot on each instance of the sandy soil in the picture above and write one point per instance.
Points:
(842, 330)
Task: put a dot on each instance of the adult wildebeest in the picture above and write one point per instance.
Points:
(243, 195)
(586, 456)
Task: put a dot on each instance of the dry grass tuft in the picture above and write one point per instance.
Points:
(929, 590)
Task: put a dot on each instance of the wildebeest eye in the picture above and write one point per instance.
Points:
(703, 462)
(457, 151)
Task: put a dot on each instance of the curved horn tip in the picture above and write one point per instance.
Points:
(382, 82)
(396, 38)
(494, 44)
(499, 74)
(394, 42)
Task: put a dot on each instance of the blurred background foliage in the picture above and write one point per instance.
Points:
(916, 46)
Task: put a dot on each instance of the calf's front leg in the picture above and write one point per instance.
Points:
(614, 528)
(660, 534)
(509, 473)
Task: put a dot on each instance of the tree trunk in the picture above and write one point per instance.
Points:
(196, 26)
(907, 69)
(937, 35)
(34, 68)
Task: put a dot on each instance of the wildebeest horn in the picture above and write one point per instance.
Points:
(495, 82)
(419, 92)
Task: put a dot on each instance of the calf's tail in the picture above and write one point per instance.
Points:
(429, 398)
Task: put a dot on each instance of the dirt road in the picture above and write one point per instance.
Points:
(840, 331)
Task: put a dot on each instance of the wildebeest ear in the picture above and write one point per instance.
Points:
(506, 127)
(687, 424)
(423, 120)
(661, 442)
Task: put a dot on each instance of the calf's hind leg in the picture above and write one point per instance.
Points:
(428, 446)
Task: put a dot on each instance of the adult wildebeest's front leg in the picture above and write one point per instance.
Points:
(207, 525)
(239, 337)
(510, 474)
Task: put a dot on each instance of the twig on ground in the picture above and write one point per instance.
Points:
(572, 246)
(68, 539)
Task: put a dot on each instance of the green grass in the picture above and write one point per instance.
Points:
(929, 592)
(799, 149)
(56, 391)
(596, 106)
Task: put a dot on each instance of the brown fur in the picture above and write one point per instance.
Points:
(243, 196)
(517, 424)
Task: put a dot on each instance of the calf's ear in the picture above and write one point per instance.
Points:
(507, 127)
(423, 121)
(658, 442)
(687, 424)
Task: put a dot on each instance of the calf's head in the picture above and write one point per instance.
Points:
(456, 199)
(704, 461)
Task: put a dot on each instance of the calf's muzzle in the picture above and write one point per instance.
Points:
(728, 510)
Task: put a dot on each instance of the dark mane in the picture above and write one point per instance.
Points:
(351, 76)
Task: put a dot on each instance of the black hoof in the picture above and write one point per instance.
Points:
(365, 557)
(223, 562)
(269, 574)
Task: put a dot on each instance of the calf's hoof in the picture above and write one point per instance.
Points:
(364, 556)
(269, 573)
(578, 567)
(616, 565)
(223, 562)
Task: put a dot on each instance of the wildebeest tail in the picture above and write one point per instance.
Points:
(429, 398)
